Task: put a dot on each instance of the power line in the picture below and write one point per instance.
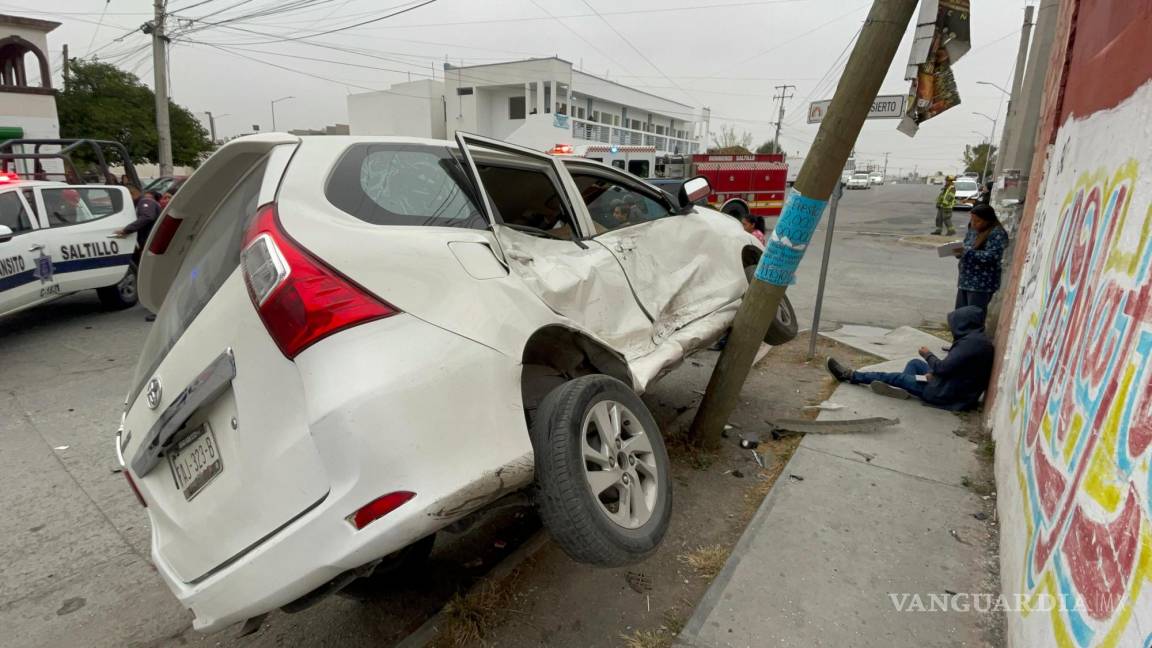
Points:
(576, 33)
(810, 31)
(333, 30)
(99, 23)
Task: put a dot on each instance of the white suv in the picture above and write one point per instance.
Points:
(57, 239)
(361, 340)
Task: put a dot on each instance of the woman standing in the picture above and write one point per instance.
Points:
(980, 259)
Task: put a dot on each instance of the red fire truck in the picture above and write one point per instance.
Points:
(744, 184)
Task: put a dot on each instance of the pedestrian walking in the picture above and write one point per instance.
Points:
(952, 383)
(944, 204)
(984, 246)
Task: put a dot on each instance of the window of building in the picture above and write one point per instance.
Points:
(580, 113)
(22, 64)
(464, 91)
(517, 107)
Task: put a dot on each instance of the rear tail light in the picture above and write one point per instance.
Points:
(300, 299)
(378, 508)
(165, 232)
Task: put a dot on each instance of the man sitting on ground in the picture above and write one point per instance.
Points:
(954, 383)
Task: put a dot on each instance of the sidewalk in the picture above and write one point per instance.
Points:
(853, 519)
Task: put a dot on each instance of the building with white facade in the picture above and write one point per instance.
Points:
(536, 103)
(27, 101)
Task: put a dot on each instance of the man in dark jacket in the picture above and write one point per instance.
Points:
(953, 383)
(147, 211)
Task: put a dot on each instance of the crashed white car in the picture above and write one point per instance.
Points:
(361, 340)
(56, 239)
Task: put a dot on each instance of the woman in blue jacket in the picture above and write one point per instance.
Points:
(980, 259)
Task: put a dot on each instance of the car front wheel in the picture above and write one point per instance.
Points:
(602, 472)
(121, 294)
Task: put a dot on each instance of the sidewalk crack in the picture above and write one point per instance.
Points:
(872, 465)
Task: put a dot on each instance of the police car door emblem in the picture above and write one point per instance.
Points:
(44, 268)
(152, 393)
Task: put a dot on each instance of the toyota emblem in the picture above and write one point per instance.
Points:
(153, 392)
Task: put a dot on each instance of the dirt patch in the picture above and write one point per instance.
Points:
(555, 601)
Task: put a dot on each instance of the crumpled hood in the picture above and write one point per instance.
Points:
(966, 320)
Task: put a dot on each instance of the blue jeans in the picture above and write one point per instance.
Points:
(905, 380)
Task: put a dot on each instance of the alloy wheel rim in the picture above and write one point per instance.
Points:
(619, 464)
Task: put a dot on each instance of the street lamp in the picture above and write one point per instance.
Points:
(988, 150)
(989, 83)
(212, 122)
(273, 104)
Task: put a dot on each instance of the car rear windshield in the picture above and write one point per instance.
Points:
(213, 257)
(403, 184)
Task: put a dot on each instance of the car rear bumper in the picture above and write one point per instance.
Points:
(393, 405)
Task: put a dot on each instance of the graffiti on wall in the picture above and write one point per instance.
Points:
(1082, 408)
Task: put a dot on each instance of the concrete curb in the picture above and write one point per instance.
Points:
(427, 632)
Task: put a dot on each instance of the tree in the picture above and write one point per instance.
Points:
(105, 102)
(771, 146)
(974, 157)
(727, 141)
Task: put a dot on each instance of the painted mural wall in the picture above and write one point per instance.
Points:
(1073, 413)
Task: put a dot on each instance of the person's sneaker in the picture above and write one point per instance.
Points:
(839, 371)
(884, 389)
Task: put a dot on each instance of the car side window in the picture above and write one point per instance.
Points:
(613, 205)
(30, 199)
(528, 198)
(74, 205)
(13, 214)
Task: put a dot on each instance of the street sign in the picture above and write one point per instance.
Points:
(884, 107)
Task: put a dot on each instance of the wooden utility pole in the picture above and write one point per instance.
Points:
(160, 76)
(66, 70)
(867, 66)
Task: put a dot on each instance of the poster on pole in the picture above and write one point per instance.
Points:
(943, 36)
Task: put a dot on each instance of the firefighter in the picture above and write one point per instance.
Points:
(944, 204)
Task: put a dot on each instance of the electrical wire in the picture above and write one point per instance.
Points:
(99, 24)
(334, 30)
(577, 34)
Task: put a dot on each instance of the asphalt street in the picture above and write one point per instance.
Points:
(74, 566)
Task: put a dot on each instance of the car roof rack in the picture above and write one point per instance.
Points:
(90, 150)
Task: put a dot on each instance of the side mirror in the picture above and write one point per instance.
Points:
(694, 189)
(5, 233)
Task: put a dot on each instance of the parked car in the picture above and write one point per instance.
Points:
(55, 240)
(876, 178)
(166, 184)
(966, 192)
(859, 180)
(361, 340)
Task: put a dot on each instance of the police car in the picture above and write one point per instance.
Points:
(57, 239)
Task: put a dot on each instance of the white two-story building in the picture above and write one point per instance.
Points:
(537, 103)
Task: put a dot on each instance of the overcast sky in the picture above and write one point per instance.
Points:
(724, 54)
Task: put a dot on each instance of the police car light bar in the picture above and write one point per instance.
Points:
(562, 149)
(6, 176)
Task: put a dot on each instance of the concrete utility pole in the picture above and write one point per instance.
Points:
(871, 57)
(886, 153)
(1011, 120)
(780, 118)
(66, 71)
(1022, 142)
(211, 125)
(160, 75)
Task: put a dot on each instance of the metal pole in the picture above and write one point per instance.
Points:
(211, 126)
(988, 150)
(273, 104)
(833, 203)
(160, 76)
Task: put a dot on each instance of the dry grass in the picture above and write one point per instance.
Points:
(470, 619)
(648, 639)
(707, 560)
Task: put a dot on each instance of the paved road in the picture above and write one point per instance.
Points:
(74, 566)
(872, 278)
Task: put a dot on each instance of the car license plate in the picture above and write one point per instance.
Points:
(195, 462)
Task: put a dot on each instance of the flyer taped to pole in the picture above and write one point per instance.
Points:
(789, 241)
(943, 35)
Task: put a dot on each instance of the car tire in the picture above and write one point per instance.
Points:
(784, 327)
(395, 569)
(122, 294)
(735, 210)
(598, 512)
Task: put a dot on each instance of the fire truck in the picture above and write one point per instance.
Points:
(744, 184)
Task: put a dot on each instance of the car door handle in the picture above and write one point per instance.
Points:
(36, 248)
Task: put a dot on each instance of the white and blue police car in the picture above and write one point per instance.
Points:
(57, 239)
